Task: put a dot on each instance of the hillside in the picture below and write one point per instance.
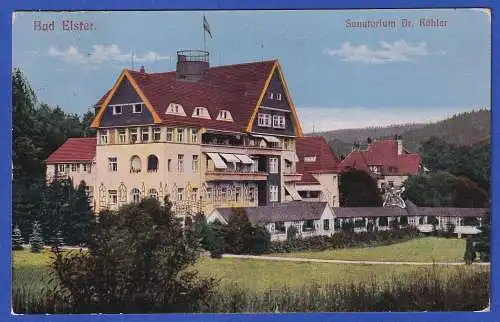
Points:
(466, 128)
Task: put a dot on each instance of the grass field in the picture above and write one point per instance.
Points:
(31, 270)
(429, 249)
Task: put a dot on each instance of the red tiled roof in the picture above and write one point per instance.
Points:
(383, 153)
(326, 161)
(74, 149)
(235, 88)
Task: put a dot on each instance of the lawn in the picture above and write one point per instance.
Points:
(428, 249)
(31, 271)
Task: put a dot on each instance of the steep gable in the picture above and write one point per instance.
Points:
(315, 156)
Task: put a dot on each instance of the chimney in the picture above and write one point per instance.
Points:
(142, 69)
(400, 144)
(191, 64)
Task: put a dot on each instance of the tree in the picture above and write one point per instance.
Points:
(470, 253)
(139, 261)
(238, 233)
(483, 240)
(17, 239)
(359, 189)
(291, 233)
(261, 240)
(442, 189)
(201, 230)
(78, 217)
(36, 240)
(215, 239)
(395, 223)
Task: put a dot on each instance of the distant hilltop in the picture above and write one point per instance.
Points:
(467, 128)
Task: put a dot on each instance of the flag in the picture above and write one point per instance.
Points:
(206, 26)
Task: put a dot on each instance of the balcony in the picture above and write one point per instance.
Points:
(291, 176)
(235, 175)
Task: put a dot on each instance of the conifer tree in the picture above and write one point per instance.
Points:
(17, 239)
(470, 253)
(36, 240)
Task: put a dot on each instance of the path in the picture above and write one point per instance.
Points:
(336, 261)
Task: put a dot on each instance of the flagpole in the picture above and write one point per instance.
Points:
(204, 33)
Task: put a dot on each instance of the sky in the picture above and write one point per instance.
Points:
(339, 75)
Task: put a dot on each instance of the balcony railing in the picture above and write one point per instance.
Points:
(235, 175)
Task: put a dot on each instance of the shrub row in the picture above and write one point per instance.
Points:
(418, 291)
(425, 289)
(344, 239)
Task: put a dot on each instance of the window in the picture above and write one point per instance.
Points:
(195, 163)
(180, 135)
(264, 120)
(273, 165)
(251, 194)
(224, 116)
(112, 164)
(237, 194)
(145, 134)
(136, 195)
(86, 167)
(308, 225)
(61, 167)
(152, 163)
(169, 165)
(273, 191)
(112, 197)
(278, 96)
(156, 134)
(180, 193)
(209, 194)
(197, 111)
(170, 134)
(135, 164)
(137, 108)
(326, 224)
(271, 95)
(133, 135)
(74, 167)
(180, 163)
(286, 144)
(117, 109)
(194, 194)
(194, 136)
(279, 227)
(122, 135)
(104, 137)
(310, 159)
(279, 121)
(153, 193)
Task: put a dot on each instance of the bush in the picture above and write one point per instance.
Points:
(17, 239)
(291, 232)
(344, 239)
(36, 240)
(470, 253)
(139, 261)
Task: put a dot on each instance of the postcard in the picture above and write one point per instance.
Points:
(266, 161)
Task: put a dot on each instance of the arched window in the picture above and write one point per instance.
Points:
(153, 193)
(135, 164)
(136, 195)
(152, 163)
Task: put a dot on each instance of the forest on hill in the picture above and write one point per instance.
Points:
(462, 129)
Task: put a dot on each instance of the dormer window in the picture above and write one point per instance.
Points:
(310, 159)
(224, 115)
(137, 108)
(201, 112)
(117, 109)
(175, 109)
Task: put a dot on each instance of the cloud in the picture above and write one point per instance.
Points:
(398, 51)
(103, 54)
(334, 118)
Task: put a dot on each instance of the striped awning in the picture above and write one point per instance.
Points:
(230, 157)
(291, 190)
(219, 163)
(270, 139)
(244, 158)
